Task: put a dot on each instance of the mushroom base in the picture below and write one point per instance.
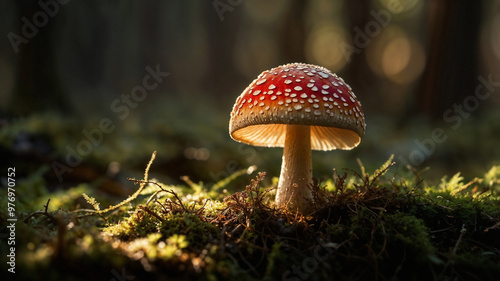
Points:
(294, 190)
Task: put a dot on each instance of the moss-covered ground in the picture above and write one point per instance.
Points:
(106, 219)
(366, 226)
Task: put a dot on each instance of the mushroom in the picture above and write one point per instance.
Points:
(298, 107)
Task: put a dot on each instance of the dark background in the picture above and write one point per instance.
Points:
(414, 65)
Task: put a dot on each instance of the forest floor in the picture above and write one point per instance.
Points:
(368, 224)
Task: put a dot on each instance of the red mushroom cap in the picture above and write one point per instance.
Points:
(298, 94)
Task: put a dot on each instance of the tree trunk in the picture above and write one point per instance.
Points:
(451, 70)
(37, 87)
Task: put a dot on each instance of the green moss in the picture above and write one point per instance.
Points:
(366, 226)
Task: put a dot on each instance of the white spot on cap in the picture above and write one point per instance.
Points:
(279, 93)
(307, 109)
(335, 95)
(273, 97)
(324, 92)
(351, 99)
(272, 87)
(295, 100)
(298, 88)
(297, 80)
(261, 81)
(309, 100)
(288, 100)
(288, 81)
(288, 90)
(322, 74)
(304, 95)
(313, 96)
(316, 105)
(298, 107)
(262, 97)
(256, 92)
(342, 98)
(293, 95)
(317, 112)
(326, 87)
(325, 98)
(346, 104)
(310, 85)
(315, 88)
(280, 102)
(262, 104)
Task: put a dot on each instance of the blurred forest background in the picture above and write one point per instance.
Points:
(426, 72)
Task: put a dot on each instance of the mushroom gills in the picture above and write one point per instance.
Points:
(322, 138)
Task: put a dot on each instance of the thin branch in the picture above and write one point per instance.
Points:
(133, 196)
(45, 213)
(149, 211)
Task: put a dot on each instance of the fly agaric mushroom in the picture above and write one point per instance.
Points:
(298, 107)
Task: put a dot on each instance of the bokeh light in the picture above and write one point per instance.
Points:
(256, 54)
(396, 56)
(324, 46)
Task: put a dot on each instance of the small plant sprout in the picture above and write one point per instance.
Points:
(299, 107)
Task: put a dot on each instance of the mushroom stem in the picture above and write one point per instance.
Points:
(296, 170)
